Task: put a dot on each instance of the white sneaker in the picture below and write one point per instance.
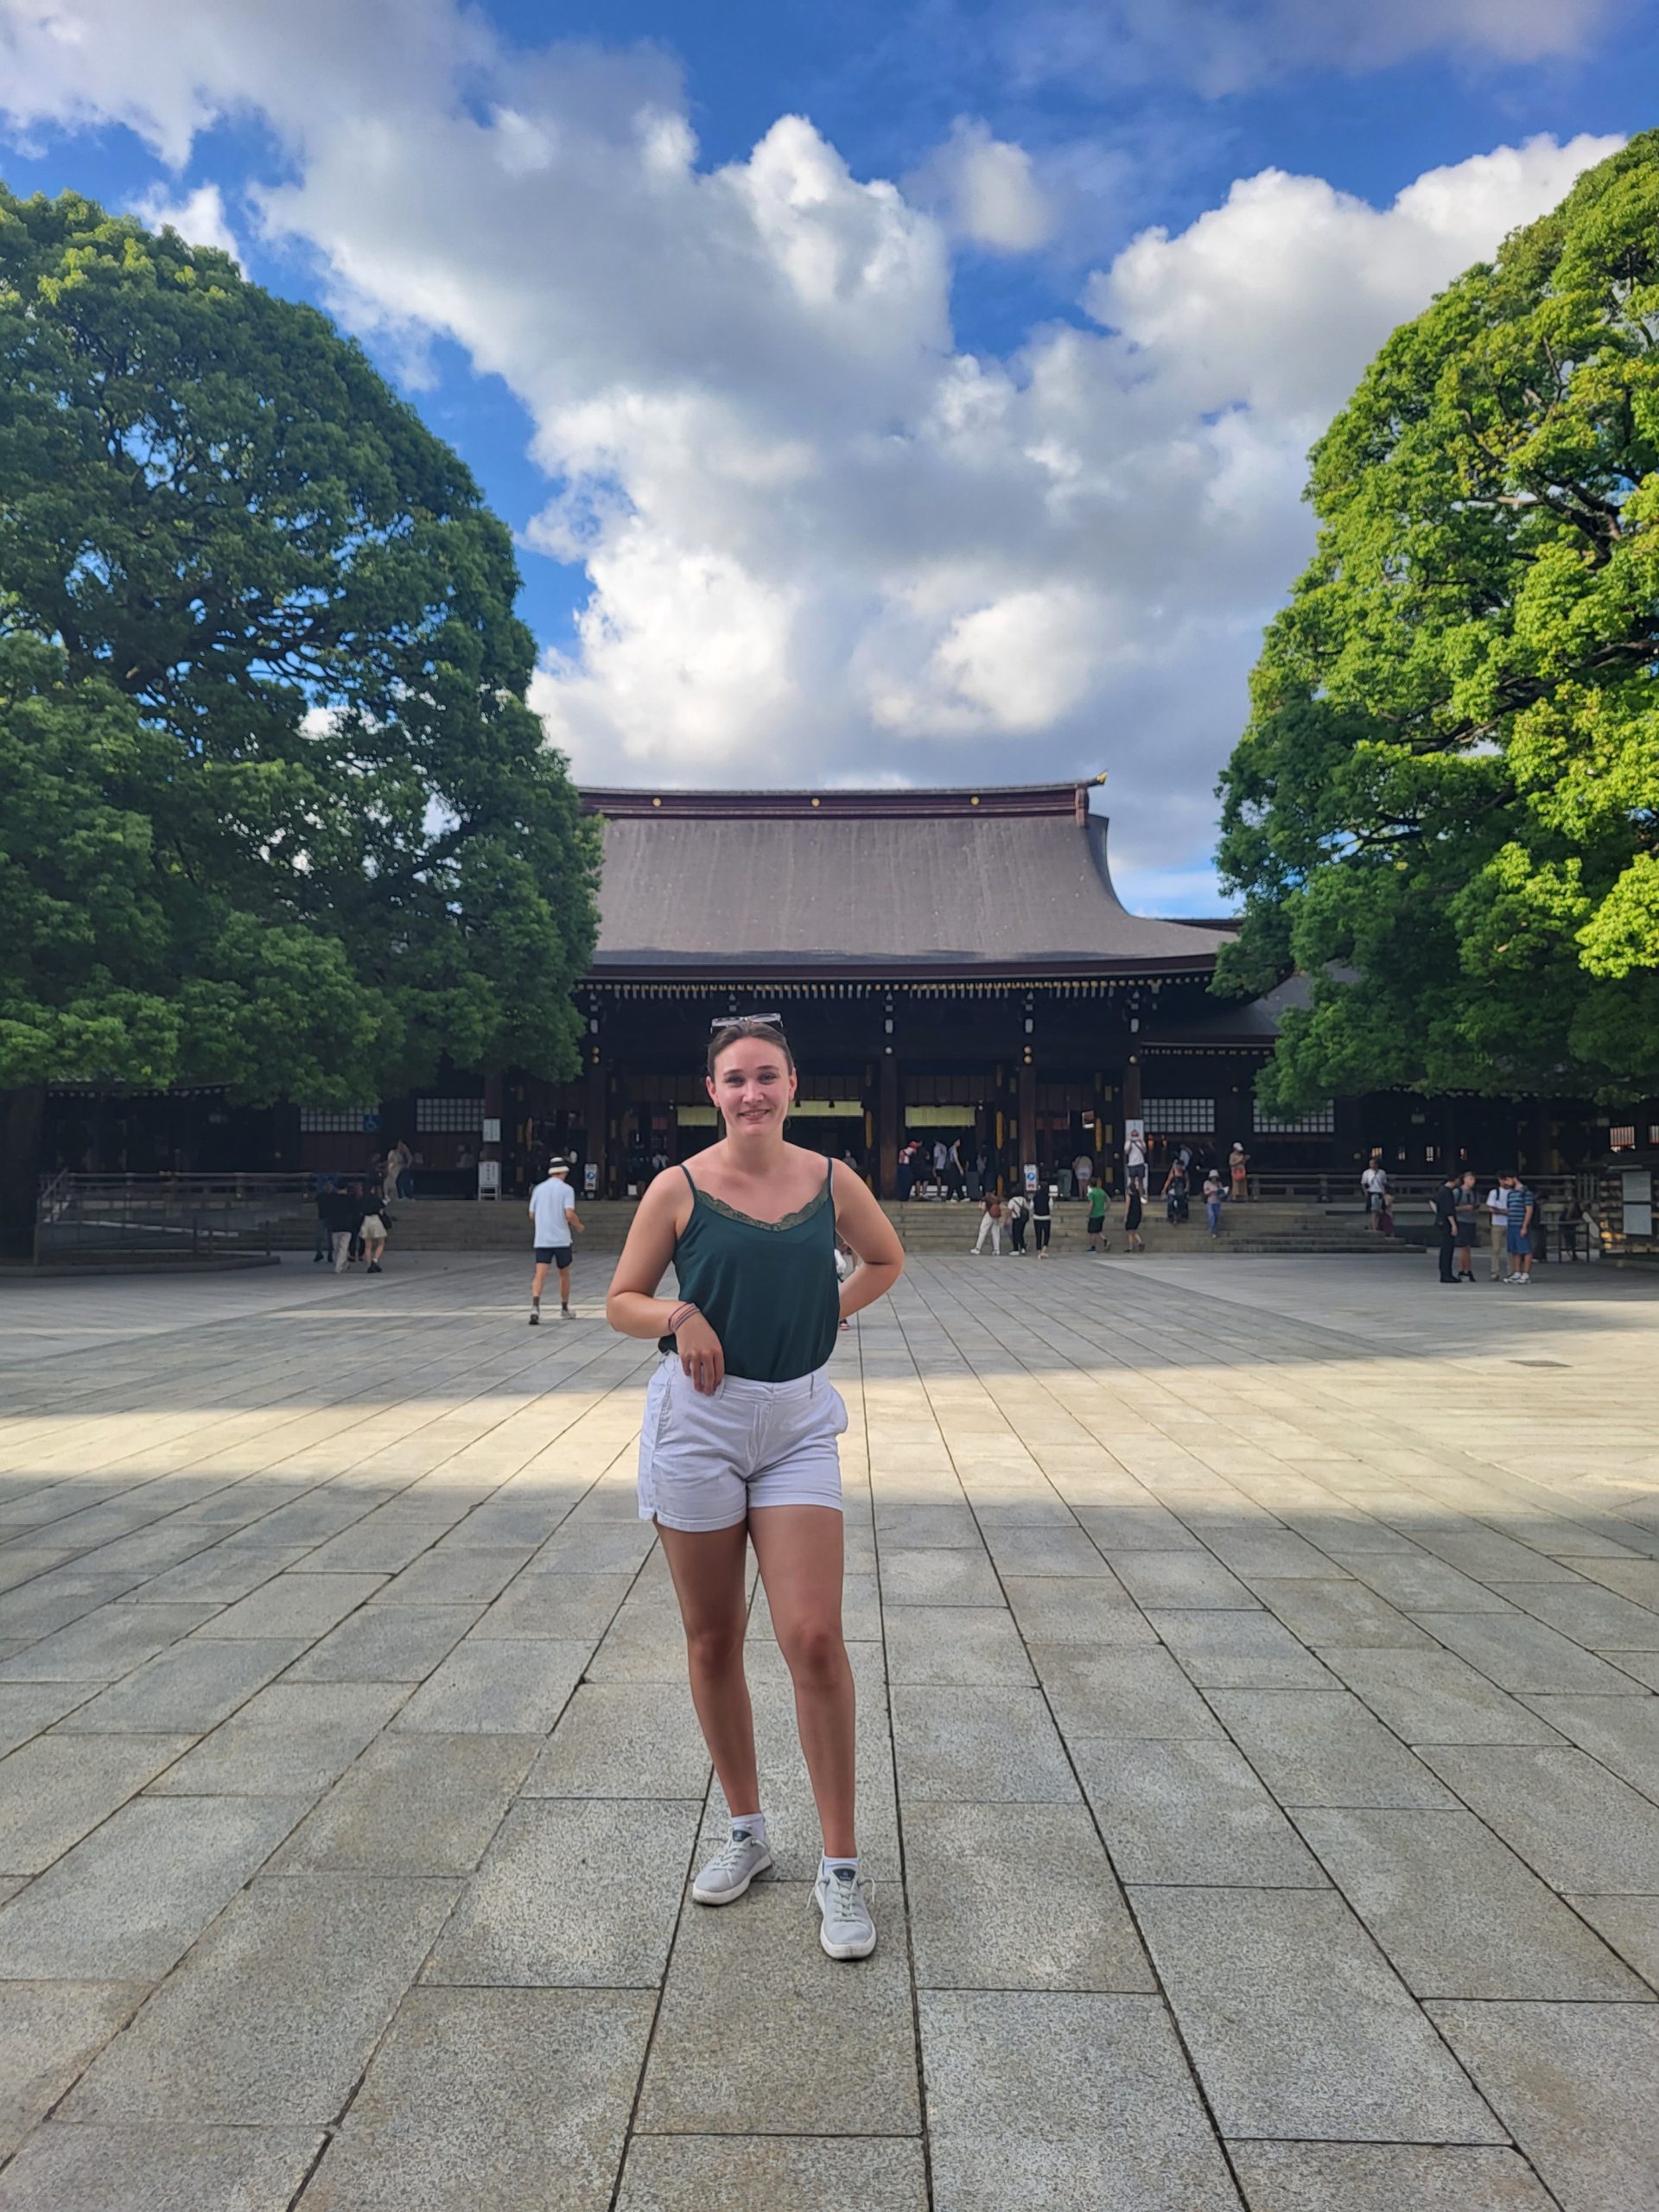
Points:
(733, 1868)
(843, 1898)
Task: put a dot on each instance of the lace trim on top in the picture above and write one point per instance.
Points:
(790, 1220)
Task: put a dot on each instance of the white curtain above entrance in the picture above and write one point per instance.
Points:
(937, 1117)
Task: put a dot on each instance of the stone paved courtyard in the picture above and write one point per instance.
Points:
(1260, 1756)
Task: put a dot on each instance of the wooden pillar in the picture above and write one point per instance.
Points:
(1027, 1096)
(886, 1128)
(1132, 1090)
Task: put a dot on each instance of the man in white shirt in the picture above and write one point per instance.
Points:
(1375, 1184)
(1498, 1219)
(553, 1211)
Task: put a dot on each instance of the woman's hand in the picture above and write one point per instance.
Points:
(701, 1354)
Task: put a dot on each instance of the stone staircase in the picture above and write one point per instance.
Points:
(924, 1225)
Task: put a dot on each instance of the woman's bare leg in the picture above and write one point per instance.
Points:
(709, 1570)
(800, 1551)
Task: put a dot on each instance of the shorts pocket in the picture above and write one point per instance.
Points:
(838, 1414)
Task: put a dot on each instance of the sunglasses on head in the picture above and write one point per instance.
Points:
(747, 1021)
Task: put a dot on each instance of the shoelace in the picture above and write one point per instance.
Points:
(847, 1900)
(728, 1859)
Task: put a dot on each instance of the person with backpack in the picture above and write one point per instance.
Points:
(1018, 1215)
(1523, 1208)
(990, 1225)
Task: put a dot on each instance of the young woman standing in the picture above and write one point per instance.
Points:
(738, 1443)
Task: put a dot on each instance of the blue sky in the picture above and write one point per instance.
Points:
(882, 393)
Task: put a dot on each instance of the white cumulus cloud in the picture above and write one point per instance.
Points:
(986, 188)
(822, 543)
(198, 218)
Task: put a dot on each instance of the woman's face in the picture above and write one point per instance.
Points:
(754, 1086)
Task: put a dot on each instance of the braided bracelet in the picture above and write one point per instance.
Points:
(677, 1319)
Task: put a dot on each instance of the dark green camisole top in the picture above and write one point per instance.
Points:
(768, 1289)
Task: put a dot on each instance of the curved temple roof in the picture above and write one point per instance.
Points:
(902, 883)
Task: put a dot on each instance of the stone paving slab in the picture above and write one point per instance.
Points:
(128, 1901)
(1190, 1811)
(387, 1644)
(755, 2173)
(1090, 2103)
(1572, 1821)
(347, 1713)
(824, 2050)
(63, 2169)
(414, 1803)
(1296, 2024)
(57, 1788)
(1435, 1697)
(1061, 1924)
(277, 2009)
(1322, 1747)
(1456, 1913)
(491, 2100)
(580, 1893)
(1395, 2177)
(1574, 2083)
(50, 2032)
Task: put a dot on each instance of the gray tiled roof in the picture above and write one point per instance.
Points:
(759, 883)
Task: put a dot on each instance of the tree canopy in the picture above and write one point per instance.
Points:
(277, 814)
(1445, 810)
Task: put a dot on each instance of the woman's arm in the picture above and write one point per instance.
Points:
(631, 1305)
(881, 1257)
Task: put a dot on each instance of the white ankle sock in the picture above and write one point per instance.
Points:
(837, 1866)
(754, 1822)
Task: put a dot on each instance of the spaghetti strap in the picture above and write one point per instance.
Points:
(686, 1172)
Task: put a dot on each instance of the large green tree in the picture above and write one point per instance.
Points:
(274, 812)
(1445, 810)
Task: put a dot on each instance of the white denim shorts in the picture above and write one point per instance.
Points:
(704, 1461)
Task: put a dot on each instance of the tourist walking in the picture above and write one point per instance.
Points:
(990, 1225)
(1468, 1211)
(738, 1442)
(405, 1159)
(343, 1212)
(907, 1154)
(1517, 1240)
(375, 1224)
(1096, 1215)
(553, 1214)
(1132, 1213)
(940, 1156)
(1238, 1170)
(955, 1178)
(1082, 1173)
(1445, 1203)
(1374, 1182)
(1018, 1215)
(1213, 1188)
(1042, 1215)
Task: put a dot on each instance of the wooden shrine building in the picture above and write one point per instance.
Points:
(951, 964)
